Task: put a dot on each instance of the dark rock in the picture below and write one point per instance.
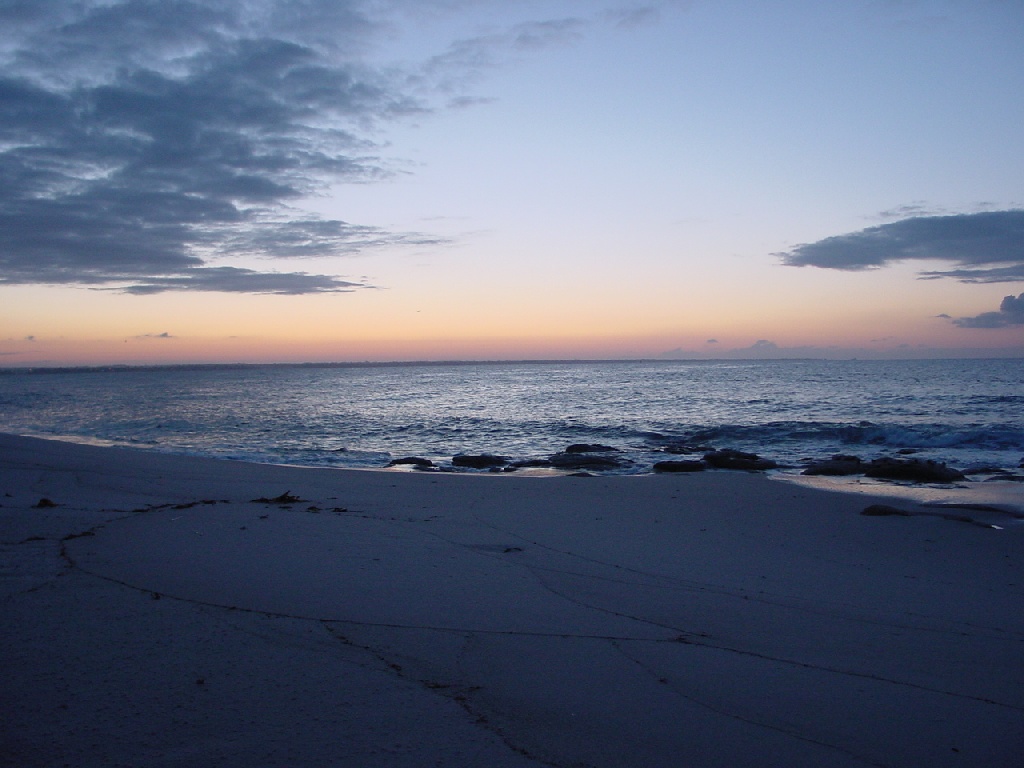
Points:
(914, 470)
(284, 498)
(530, 463)
(590, 448)
(838, 465)
(884, 510)
(1008, 478)
(975, 507)
(680, 466)
(685, 448)
(44, 503)
(479, 461)
(415, 461)
(730, 459)
(582, 461)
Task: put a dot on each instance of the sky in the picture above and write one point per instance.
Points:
(333, 180)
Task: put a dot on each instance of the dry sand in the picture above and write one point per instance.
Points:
(161, 614)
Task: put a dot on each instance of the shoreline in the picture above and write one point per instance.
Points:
(1007, 495)
(175, 610)
(1004, 498)
(794, 414)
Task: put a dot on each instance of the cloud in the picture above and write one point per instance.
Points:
(1011, 312)
(628, 18)
(1012, 274)
(908, 210)
(238, 280)
(466, 59)
(141, 139)
(153, 145)
(535, 35)
(986, 247)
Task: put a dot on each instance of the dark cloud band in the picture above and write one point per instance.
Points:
(237, 280)
(141, 139)
(1011, 312)
(985, 247)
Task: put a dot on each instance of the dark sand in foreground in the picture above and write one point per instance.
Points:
(161, 614)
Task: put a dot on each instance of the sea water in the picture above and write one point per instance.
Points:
(968, 413)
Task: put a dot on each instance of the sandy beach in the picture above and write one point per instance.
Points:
(162, 610)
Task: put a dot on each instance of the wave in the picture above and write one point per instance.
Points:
(936, 435)
(364, 416)
(995, 399)
(989, 437)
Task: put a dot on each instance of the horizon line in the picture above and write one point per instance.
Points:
(116, 367)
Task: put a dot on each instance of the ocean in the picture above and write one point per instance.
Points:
(967, 413)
